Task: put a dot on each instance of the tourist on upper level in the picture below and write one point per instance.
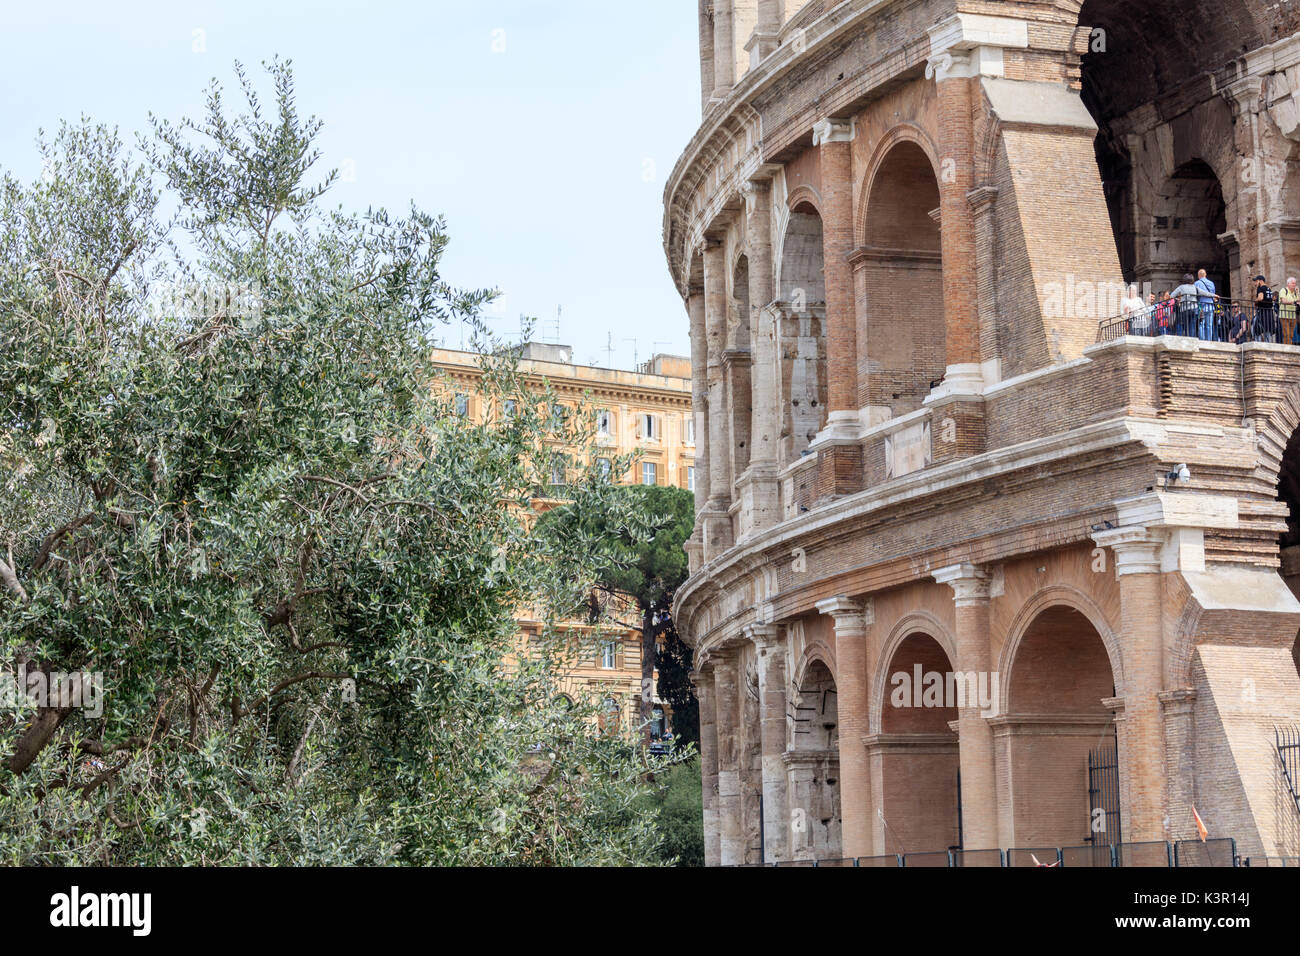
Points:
(1238, 327)
(1137, 313)
(1287, 300)
(1266, 329)
(1165, 313)
(1186, 296)
(1207, 295)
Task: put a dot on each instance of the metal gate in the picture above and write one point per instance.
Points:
(1103, 795)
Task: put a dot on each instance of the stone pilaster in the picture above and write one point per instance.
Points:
(724, 54)
(703, 682)
(700, 409)
(717, 521)
(770, 646)
(853, 668)
(970, 588)
(1143, 801)
(1177, 707)
(833, 139)
(757, 487)
(726, 684)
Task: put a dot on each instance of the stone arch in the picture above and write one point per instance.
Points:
(812, 762)
(899, 277)
(1147, 53)
(1057, 696)
(902, 133)
(801, 328)
(1153, 47)
(1056, 595)
(916, 749)
(917, 622)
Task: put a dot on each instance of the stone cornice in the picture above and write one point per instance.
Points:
(849, 614)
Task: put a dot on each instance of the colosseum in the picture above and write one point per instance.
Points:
(989, 564)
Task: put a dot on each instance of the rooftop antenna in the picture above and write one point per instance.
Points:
(634, 351)
(609, 349)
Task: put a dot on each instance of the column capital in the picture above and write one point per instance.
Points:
(833, 130)
(981, 198)
(1136, 548)
(763, 175)
(1181, 700)
(969, 583)
(764, 637)
(848, 612)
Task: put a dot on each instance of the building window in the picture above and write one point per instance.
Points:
(690, 477)
(649, 428)
(557, 473)
(604, 423)
(609, 655)
(557, 416)
(511, 409)
(462, 404)
(604, 468)
(649, 473)
(688, 428)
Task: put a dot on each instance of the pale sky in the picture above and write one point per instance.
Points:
(542, 129)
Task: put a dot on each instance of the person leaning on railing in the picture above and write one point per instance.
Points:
(1136, 313)
(1186, 296)
(1238, 326)
(1266, 329)
(1287, 300)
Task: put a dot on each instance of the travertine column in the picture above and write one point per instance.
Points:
(852, 669)
(726, 684)
(700, 395)
(758, 486)
(703, 682)
(717, 522)
(724, 50)
(1143, 800)
(769, 645)
(834, 138)
(707, 78)
(979, 814)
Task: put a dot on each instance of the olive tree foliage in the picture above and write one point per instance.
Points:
(233, 486)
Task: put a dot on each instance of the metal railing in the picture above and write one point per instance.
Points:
(1288, 754)
(1235, 322)
(1221, 852)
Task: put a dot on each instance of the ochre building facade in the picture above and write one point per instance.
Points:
(646, 412)
(897, 232)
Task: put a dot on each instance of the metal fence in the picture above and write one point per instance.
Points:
(1222, 321)
(1288, 753)
(1184, 853)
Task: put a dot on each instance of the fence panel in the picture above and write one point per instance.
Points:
(1210, 853)
(1034, 856)
(1144, 854)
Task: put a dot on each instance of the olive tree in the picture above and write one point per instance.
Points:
(239, 512)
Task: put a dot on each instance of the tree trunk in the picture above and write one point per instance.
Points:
(647, 670)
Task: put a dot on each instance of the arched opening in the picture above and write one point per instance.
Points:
(1058, 744)
(1163, 51)
(813, 764)
(1288, 492)
(917, 751)
(1188, 215)
(801, 345)
(738, 370)
(901, 277)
